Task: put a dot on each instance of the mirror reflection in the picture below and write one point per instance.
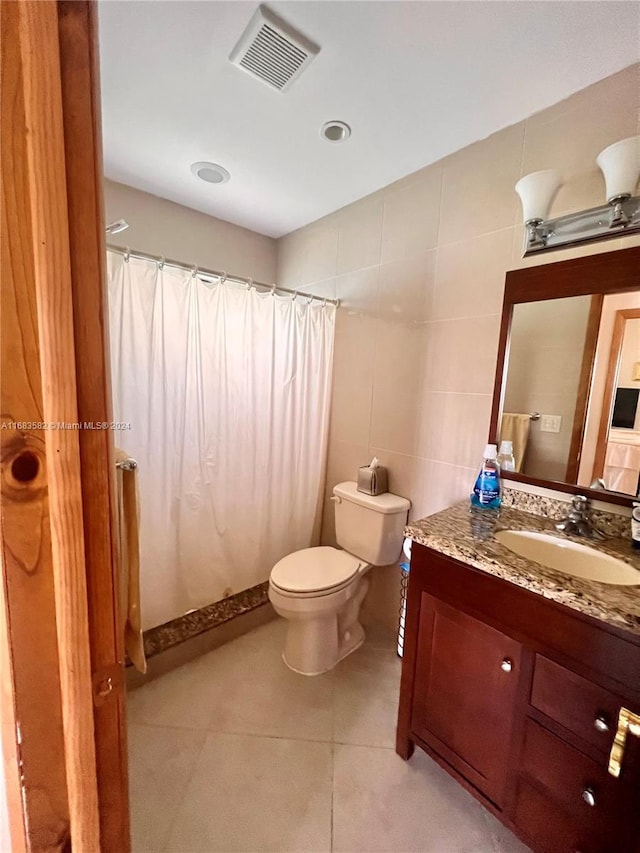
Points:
(572, 389)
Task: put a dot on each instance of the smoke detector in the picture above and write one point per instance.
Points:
(272, 51)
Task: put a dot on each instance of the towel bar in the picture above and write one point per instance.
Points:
(127, 464)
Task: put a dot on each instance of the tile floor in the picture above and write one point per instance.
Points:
(233, 752)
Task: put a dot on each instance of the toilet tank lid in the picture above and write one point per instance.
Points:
(387, 503)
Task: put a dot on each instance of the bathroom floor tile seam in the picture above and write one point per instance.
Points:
(168, 847)
(233, 785)
(243, 733)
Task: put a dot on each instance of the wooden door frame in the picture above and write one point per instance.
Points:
(80, 88)
(617, 336)
(58, 485)
(584, 388)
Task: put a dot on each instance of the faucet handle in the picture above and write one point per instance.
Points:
(580, 503)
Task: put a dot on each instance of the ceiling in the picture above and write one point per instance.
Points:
(415, 80)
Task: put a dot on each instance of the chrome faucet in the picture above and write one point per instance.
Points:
(577, 521)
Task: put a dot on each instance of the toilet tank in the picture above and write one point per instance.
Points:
(370, 526)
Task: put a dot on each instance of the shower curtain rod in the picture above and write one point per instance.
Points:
(222, 276)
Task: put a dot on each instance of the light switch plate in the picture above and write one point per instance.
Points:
(550, 423)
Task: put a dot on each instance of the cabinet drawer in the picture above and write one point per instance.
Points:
(567, 776)
(589, 711)
(553, 830)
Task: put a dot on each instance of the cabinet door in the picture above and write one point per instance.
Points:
(466, 682)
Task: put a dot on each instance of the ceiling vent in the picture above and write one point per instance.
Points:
(273, 51)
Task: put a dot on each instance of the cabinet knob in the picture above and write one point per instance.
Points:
(601, 723)
(506, 665)
(589, 796)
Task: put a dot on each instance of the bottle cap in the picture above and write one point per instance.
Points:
(491, 451)
(506, 447)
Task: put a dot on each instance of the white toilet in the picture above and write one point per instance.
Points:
(319, 590)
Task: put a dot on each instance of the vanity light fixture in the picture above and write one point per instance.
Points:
(620, 165)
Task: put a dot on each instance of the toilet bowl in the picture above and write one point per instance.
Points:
(319, 590)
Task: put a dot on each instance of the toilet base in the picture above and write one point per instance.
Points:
(355, 640)
(325, 633)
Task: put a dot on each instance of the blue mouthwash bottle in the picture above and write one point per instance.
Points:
(486, 492)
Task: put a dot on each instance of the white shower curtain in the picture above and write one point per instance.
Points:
(226, 391)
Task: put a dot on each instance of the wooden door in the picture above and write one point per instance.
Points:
(62, 704)
(466, 682)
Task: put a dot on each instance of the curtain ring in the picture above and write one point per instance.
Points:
(223, 278)
(310, 299)
(161, 263)
(273, 289)
(295, 296)
(127, 254)
(324, 302)
(250, 284)
(194, 272)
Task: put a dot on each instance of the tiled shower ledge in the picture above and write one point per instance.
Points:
(164, 637)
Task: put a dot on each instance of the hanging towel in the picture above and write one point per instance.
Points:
(515, 428)
(129, 559)
(622, 467)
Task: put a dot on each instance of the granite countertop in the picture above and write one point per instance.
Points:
(468, 537)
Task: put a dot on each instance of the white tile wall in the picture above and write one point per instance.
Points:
(420, 267)
(161, 227)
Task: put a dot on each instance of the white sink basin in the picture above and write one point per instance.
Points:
(569, 557)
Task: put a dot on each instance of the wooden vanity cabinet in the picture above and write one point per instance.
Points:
(518, 698)
(465, 684)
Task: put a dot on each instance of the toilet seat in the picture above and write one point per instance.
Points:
(315, 571)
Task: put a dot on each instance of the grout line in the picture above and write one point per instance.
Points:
(383, 203)
(209, 731)
(423, 458)
(363, 745)
(442, 171)
(494, 841)
(471, 238)
(333, 783)
(172, 727)
(463, 240)
(458, 393)
(525, 124)
(373, 372)
(456, 319)
(350, 272)
(333, 759)
(205, 732)
(180, 799)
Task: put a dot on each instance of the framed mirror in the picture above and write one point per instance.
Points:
(567, 389)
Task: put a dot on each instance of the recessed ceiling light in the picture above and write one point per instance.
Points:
(335, 131)
(212, 173)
